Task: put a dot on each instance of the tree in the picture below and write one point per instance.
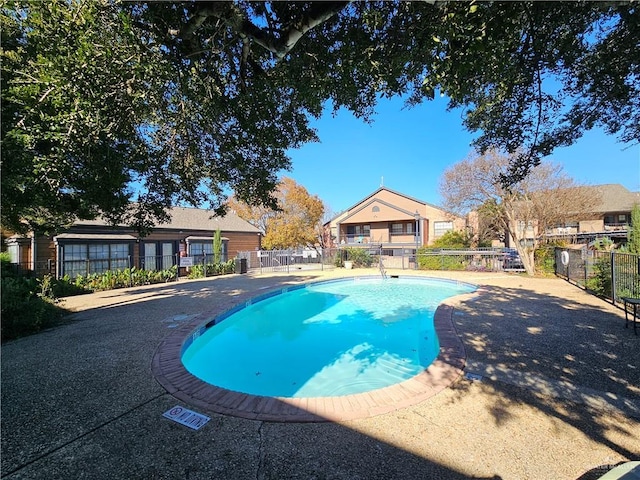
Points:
(452, 239)
(106, 102)
(217, 247)
(323, 230)
(634, 231)
(295, 221)
(524, 211)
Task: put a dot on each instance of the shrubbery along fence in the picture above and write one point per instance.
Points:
(611, 275)
(164, 266)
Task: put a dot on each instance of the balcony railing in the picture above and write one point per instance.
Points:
(355, 239)
(615, 227)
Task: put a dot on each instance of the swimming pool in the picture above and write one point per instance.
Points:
(325, 339)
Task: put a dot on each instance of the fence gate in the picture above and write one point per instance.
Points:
(283, 260)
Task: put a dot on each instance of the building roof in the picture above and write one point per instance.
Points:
(371, 195)
(93, 236)
(615, 198)
(372, 200)
(184, 218)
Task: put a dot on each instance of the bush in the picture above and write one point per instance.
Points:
(545, 258)
(209, 269)
(600, 282)
(128, 277)
(28, 306)
(196, 271)
(440, 262)
(453, 239)
(65, 287)
(359, 256)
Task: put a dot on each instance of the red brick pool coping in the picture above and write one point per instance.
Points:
(445, 370)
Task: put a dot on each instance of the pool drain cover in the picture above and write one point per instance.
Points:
(186, 417)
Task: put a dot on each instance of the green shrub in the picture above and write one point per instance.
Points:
(600, 282)
(65, 287)
(359, 256)
(229, 266)
(132, 277)
(545, 258)
(196, 271)
(27, 306)
(440, 262)
(453, 239)
(210, 269)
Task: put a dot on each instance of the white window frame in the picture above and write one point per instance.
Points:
(442, 227)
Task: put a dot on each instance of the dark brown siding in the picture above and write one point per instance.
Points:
(45, 249)
(241, 242)
(238, 241)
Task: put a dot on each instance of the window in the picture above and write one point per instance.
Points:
(200, 248)
(75, 260)
(522, 225)
(440, 228)
(150, 256)
(98, 258)
(206, 248)
(167, 255)
(375, 209)
(358, 233)
(14, 252)
(408, 228)
(119, 256)
(82, 258)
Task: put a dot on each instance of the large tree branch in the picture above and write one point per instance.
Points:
(318, 14)
(279, 44)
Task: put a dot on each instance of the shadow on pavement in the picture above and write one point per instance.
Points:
(576, 351)
(79, 401)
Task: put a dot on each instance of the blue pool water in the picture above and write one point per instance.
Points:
(326, 339)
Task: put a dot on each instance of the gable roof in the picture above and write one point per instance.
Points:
(185, 218)
(615, 198)
(363, 205)
(374, 194)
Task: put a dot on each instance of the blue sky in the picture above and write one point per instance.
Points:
(411, 148)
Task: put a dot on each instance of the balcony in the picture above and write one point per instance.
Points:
(615, 227)
(355, 239)
(384, 240)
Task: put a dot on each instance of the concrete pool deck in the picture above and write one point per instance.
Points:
(555, 394)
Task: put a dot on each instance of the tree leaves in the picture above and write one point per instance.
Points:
(524, 211)
(163, 103)
(293, 223)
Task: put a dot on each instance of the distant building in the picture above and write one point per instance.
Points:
(392, 221)
(93, 246)
(609, 218)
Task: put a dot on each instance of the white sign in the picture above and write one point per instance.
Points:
(186, 417)
(186, 261)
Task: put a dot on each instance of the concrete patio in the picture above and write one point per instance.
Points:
(559, 396)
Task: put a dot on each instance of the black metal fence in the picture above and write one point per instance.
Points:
(285, 260)
(86, 267)
(488, 260)
(27, 269)
(611, 275)
(475, 260)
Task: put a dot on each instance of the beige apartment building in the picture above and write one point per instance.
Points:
(392, 221)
